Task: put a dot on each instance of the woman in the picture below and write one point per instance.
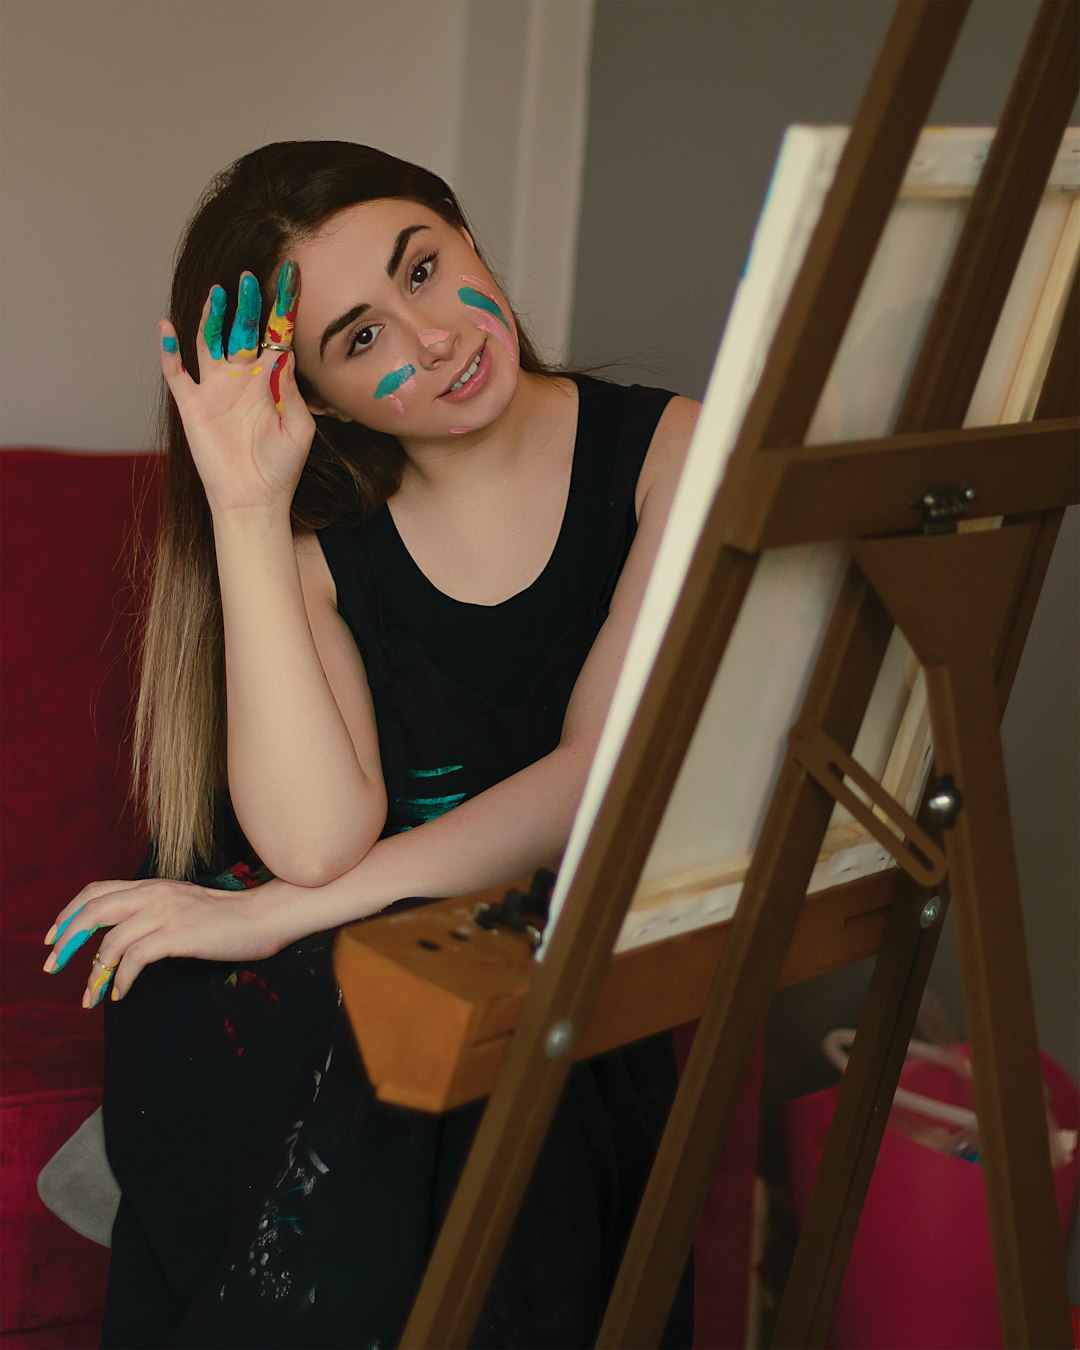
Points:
(398, 569)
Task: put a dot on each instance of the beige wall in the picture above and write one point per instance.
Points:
(116, 113)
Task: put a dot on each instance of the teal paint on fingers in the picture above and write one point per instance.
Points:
(68, 950)
(215, 321)
(68, 921)
(244, 333)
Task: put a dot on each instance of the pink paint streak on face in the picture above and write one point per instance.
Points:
(486, 322)
(492, 326)
(431, 336)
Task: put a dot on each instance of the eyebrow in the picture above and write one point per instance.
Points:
(401, 243)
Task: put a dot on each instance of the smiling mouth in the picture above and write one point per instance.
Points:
(467, 374)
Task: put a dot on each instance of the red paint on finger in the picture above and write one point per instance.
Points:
(275, 382)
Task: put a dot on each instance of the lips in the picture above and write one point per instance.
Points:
(475, 382)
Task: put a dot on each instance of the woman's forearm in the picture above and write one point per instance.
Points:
(506, 832)
(297, 785)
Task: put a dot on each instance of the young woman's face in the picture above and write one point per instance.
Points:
(400, 326)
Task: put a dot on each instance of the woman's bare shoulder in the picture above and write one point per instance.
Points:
(667, 450)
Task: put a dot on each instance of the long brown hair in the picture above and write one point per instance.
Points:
(249, 218)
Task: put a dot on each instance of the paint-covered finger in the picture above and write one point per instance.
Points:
(57, 931)
(101, 976)
(171, 364)
(213, 323)
(277, 374)
(63, 952)
(244, 333)
(95, 890)
(282, 321)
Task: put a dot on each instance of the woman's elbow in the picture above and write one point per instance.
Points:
(311, 868)
(312, 862)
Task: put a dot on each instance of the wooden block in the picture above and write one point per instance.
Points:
(433, 998)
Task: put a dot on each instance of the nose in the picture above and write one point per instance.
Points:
(437, 344)
(432, 336)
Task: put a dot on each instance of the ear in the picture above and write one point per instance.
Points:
(318, 409)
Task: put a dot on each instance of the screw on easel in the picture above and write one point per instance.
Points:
(931, 911)
(945, 802)
(559, 1040)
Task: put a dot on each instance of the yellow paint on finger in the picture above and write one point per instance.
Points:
(97, 986)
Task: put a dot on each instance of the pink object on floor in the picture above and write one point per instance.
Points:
(921, 1272)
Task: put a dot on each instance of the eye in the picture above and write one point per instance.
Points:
(364, 338)
(421, 272)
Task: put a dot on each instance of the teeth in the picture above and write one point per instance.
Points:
(467, 376)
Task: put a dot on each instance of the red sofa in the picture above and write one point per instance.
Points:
(65, 522)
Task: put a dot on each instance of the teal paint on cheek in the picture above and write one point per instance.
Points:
(391, 383)
(170, 344)
(475, 300)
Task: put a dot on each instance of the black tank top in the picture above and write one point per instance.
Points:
(466, 695)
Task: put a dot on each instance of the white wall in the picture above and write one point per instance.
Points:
(116, 113)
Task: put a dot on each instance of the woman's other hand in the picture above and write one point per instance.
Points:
(149, 920)
(247, 425)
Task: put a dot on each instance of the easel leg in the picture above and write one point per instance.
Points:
(738, 1000)
(862, 1110)
(1009, 1093)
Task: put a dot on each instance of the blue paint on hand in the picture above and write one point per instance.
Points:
(68, 950)
(391, 383)
(67, 922)
(170, 344)
(244, 333)
(476, 300)
(215, 321)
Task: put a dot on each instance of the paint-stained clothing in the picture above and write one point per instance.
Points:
(269, 1200)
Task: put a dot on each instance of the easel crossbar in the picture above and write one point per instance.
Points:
(809, 493)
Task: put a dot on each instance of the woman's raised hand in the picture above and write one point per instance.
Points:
(248, 427)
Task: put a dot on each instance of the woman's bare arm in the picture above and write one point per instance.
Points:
(303, 763)
(303, 755)
(517, 825)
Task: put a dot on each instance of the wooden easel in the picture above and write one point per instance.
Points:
(964, 601)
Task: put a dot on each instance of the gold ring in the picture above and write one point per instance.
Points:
(98, 962)
(274, 347)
